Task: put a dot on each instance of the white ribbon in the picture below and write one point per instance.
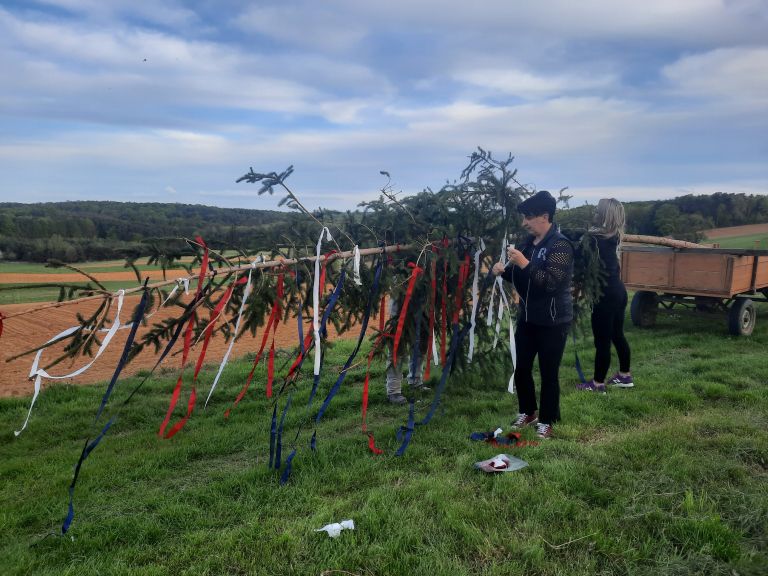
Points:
(498, 282)
(316, 299)
(512, 347)
(357, 266)
(179, 281)
(435, 355)
(475, 295)
(38, 373)
(246, 294)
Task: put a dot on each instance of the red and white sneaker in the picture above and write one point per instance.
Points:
(524, 419)
(543, 431)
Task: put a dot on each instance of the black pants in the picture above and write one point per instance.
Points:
(548, 342)
(608, 328)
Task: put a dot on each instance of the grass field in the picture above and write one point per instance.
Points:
(90, 267)
(748, 241)
(12, 294)
(666, 478)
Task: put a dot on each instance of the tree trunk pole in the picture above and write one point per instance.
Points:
(660, 241)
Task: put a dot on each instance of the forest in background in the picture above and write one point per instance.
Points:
(92, 230)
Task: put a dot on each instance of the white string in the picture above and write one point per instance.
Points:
(38, 373)
(475, 297)
(246, 294)
(316, 299)
(357, 266)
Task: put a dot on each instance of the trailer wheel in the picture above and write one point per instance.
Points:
(742, 317)
(643, 309)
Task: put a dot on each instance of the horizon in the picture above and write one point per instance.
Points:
(131, 101)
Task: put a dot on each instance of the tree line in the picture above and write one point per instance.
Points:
(93, 230)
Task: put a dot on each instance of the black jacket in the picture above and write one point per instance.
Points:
(544, 285)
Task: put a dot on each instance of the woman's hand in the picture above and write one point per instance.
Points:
(497, 269)
(516, 257)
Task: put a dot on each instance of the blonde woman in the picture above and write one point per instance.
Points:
(608, 312)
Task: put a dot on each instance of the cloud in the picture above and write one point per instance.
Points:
(313, 26)
(135, 76)
(516, 82)
(727, 74)
(167, 13)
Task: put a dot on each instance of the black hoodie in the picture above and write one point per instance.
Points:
(544, 285)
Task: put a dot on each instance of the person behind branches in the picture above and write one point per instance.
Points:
(394, 370)
(608, 312)
(541, 271)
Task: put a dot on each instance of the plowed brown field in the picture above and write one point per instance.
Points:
(31, 330)
(736, 231)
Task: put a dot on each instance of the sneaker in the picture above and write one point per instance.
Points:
(591, 386)
(621, 381)
(543, 431)
(420, 387)
(397, 398)
(524, 419)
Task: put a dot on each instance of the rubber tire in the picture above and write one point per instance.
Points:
(643, 309)
(742, 317)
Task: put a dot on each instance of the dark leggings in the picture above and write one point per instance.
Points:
(608, 328)
(548, 342)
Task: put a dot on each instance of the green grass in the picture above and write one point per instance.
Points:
(666, 478)
(11, 295)
(747, 241)
(90, 267)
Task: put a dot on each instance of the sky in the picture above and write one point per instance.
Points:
(172, 101)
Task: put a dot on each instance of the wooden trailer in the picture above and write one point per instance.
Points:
(702, 279)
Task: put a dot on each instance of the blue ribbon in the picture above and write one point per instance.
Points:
(301, 329)
(406, 432)
(456, 339)
(279, 447)
(272, 436)
(288, 465)
(578, 363)
(331, 303)
(371, 298)
(87, 449)
(126, 350)
(323, 331)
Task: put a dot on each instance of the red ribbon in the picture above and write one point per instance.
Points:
(463, 275)
(271, 326)
(417, 271)
(187, 344)
(372, 445)
(271, 369)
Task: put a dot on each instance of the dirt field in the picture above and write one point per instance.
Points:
(24, 332)
(736, 231)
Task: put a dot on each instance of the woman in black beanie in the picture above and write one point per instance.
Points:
(541, 271)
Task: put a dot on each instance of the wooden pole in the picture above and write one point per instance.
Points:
(660, 241)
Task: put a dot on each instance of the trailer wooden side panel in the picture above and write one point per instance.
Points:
(710, 273)
(651, 269)
(761, 280)
(696, 272)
